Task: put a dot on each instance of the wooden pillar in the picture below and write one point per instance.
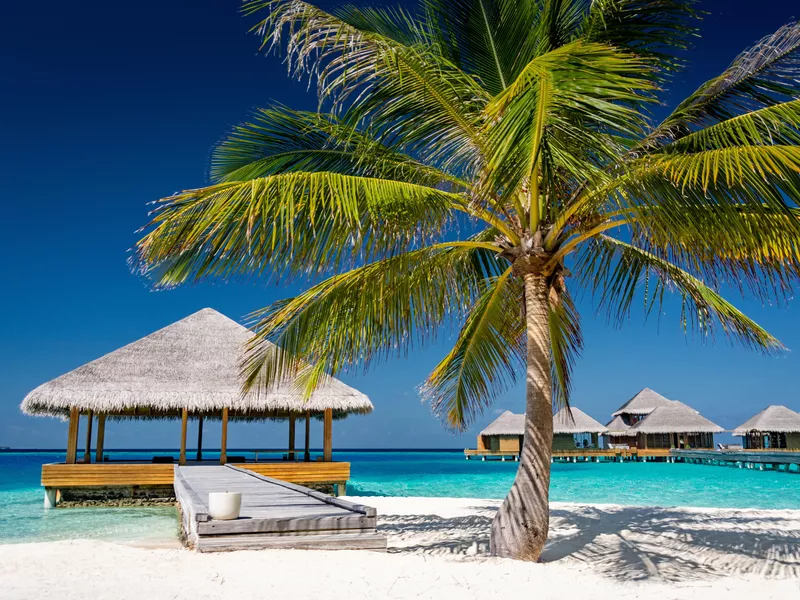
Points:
(101, 438)
(199, 438)
(184, 423)
(72, 436)
(327, 436)
(223, 454)
(291, 435)
(307, 454)
(87, 453)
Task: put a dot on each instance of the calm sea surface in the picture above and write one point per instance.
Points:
(22, 517)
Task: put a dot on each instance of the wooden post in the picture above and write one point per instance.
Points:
(184, 423)
(101, 438)
(72, 436)
(87, 453)
(327, 436)
(223, 454)
(199, 438)
(291, 435)
(307, 455)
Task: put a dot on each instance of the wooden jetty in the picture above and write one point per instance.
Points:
(579, 454)
(275, 514)
(743, 459)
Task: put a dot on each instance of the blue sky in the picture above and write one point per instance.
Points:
(107, 106)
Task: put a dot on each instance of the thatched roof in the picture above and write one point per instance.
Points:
(773, 418)
(513, 424)
(617, 426)
(506, 424)
(675, 418)
(194, 364)
(643, 403)
(579, 422)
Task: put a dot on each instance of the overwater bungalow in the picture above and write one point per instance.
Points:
(649, 421)
(573, 429)
(774, 428)
(186, 371)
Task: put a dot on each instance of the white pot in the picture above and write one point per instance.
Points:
(224, 506)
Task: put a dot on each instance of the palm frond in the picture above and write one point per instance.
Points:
(487, 357)
(280, 140)
(655, 29)
(371, 312)
(582, 94)
(291, 223)
(432, 109)
(777, 125)
(613, 271)
(407, 92)
(762, 76)
(489, 39)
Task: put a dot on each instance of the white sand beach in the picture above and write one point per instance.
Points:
(438, 549)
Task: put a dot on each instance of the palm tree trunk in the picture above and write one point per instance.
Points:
(520, 528)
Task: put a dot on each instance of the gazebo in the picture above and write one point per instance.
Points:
(774, 428)
(187, 370)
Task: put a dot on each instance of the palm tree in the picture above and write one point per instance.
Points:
(476, 163)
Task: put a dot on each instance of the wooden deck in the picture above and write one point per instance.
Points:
(747, 459)
(275, 514)
(578, 454)
(60, 475)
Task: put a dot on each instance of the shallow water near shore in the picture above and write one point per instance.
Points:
(430, 474)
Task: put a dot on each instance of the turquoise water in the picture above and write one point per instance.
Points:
(23, 518)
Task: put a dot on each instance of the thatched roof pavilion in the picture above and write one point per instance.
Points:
(192, 364)
(677, 418)
(618, 427)
(775, 427)
(573, 420)
(187, 369)
(507, 423)
(649, 420)
(505, 432)
(643, 403)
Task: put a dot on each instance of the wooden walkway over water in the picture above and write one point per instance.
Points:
(275, 514)
(743, 459)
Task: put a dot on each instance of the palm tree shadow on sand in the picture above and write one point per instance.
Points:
(626, 543)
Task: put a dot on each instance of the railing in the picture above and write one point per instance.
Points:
(60, 475)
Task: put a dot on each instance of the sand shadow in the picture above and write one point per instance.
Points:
(626, 543)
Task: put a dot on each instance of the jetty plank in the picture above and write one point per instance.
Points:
(274, 514)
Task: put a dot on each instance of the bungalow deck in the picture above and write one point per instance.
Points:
(275, 514)
(787, 460)
(578, 454)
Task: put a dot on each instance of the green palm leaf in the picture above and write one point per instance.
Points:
(280, 140)
(305, 222)
(372, 312)
(762, 76)
(614, 270)
(486, 358)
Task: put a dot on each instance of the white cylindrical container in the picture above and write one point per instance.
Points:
(224, 506)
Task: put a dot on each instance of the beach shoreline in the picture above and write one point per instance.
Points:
(438, 548)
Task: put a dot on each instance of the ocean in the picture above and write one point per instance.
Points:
(403, 473)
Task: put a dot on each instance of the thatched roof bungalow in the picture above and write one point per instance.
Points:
(189, 369)
(505, 433)
(573, 428)
(774, 428)
(649, 420)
